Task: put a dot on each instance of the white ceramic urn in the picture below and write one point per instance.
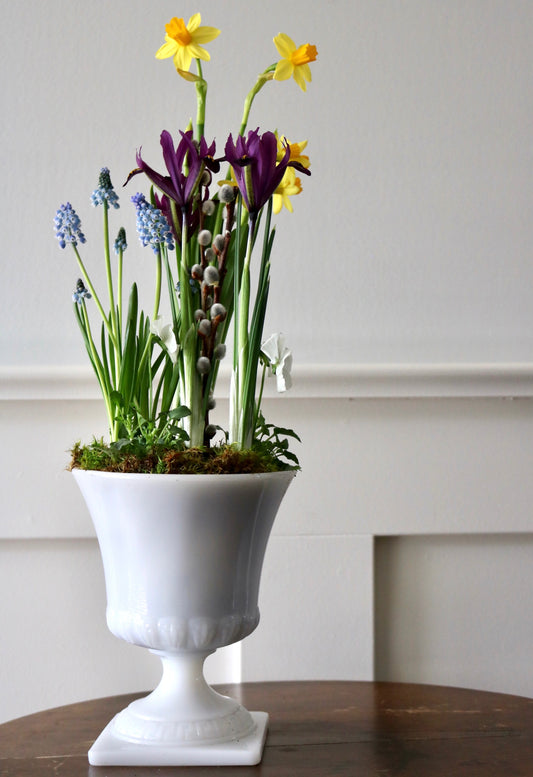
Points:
(182, 557)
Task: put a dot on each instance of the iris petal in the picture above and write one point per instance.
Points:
(256, 166)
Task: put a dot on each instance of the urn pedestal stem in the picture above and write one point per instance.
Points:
(182, 722)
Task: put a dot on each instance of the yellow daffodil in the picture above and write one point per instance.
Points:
(289, 186)
(182, 41)
(296, 151)
(295, 61)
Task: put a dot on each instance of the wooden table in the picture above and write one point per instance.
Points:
(317, 729)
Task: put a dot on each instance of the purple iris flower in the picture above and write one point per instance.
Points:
(257, 169)
(185, 165)
(193, 218)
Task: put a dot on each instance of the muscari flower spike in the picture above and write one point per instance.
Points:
(67, 226)
(80, 292)
(192, 283)
(105, 192)
(152, 226)
(120, 242)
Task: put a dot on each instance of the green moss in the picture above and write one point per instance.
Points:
(223, 459)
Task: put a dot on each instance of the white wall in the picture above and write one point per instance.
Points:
(402, 281)
(413, 234)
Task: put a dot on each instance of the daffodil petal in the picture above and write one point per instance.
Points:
(299, 78)
(277, 203)
(296, 148)
(194, 22)
(198, 52)
(288, 178)
(306, 72)
(168, 49)
(182, 58)
(205, 34)
(284, 69)
(284, 45)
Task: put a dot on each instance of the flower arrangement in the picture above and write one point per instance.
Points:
(158, 377)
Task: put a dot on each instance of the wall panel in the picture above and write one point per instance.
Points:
(438, 470)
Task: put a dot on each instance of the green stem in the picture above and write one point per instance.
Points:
(191, 383)
(172, 296)
(183, 270)
(147, 347)
(259, 399)
(250, 97)
(236, 276)
(201, 93)
(119, 291)
(114, 324)
(101, 377)
(244, 296)
(95, 297)
(243, 306)
(157, 301)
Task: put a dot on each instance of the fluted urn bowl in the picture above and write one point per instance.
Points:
(182, 557)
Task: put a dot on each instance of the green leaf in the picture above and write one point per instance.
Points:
(120, 444)
(129, 362)
(286, 432)
(117, 398)
(179, 412)
(291, 457)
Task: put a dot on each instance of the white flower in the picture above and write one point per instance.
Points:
(167, 337)
(279, 359)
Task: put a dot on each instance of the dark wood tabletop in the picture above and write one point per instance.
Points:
(317, 729)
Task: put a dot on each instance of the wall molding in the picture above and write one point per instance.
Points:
(310, 381)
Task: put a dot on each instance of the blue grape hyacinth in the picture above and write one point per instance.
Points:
(80, 292)
(67, 226)
(152, 226)
(105, 192)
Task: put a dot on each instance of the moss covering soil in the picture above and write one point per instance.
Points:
(222, 460)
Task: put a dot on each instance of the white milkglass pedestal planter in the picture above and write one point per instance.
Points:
(182, 558)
